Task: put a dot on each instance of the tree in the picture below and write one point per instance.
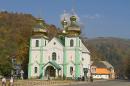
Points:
(128, 68)
(5, 67)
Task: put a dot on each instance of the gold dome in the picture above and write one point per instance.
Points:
(73, 29)
(73, 18)
(40, 28)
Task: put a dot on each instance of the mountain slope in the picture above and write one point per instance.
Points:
(114, 50)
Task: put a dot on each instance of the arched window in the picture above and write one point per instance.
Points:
(35, 70)
(54, 56)
(45, 42)
(71, 43)
(37, 43)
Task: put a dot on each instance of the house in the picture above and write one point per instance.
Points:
(102, 70)
(64, 56)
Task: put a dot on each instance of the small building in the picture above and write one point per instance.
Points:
(102, 70)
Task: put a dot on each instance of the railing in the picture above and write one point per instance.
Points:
(45, 83)
(40, 83)
(37, 83)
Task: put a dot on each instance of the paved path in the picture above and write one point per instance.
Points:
(104, 83)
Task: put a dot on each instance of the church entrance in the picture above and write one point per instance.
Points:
(50, 72)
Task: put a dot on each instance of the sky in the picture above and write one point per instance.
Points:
(99, 18)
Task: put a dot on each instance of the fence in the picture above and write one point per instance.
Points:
(38, 83)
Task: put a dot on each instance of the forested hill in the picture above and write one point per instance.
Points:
(16, 30)
(114, 50)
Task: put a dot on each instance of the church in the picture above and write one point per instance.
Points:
(64, 57)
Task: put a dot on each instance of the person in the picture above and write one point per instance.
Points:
(11, 81)
(91, 78)
(3, 81)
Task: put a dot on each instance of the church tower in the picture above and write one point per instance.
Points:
(38, 41)
(72, 52)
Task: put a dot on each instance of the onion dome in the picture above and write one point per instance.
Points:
(73, 18)
(73, 29)
(64, 23)
(40, 28)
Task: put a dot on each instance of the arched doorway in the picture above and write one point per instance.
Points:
(50, 71)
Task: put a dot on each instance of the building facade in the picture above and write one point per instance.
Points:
(64, 56)
(102, 70)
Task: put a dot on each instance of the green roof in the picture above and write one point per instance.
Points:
(55, 65)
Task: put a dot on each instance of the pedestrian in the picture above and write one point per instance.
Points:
(91, 78)
(3, 81)
(11, 81)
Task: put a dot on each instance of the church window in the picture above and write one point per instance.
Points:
(35, 70)
(71, 70)
(71, 43)
(37, 43)
(54, 56)
(54, 43)
(82, 59)
(45, 43)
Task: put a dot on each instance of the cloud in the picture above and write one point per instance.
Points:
(67, 16)
(92, 17)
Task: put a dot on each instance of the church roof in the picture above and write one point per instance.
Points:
(62, 41)
(40, 28)
(53, 63)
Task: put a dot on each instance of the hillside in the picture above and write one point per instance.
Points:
(15, 32)
(114, 50)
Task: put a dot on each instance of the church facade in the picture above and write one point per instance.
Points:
(64, 56)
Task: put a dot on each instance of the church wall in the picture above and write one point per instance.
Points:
(33, 74)
(68, 70)
(67, 41)
(70, 57)
(86, 62)
(54, 46)
(35, 62)
(33, 44)
(35, 56)
(48, 55)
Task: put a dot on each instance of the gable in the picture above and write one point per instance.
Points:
(84, 49)
(54, 43)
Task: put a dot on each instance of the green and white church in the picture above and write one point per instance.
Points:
(64, 56)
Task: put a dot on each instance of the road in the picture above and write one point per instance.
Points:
(103, 83)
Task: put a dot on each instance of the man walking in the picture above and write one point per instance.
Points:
(11, 81)
(3, 81)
